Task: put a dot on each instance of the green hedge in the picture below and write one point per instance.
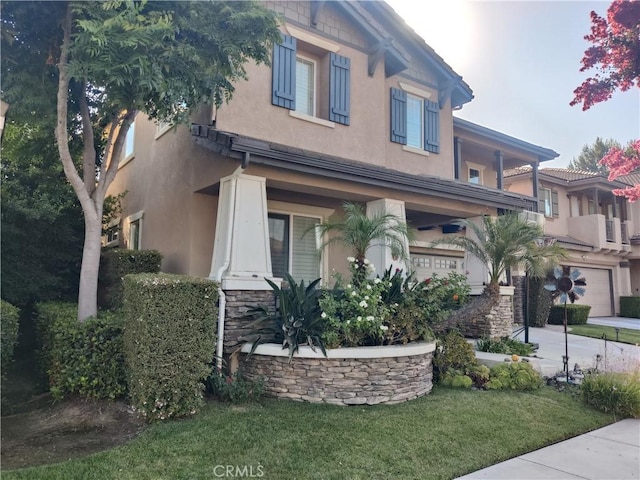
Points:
(540, 301)
(576, 314)
(9, 323)
(169, 342)
(114, 265)
(85, 358)
(630, 307)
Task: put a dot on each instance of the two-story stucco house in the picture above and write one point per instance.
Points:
(595, 226)
(355, 106)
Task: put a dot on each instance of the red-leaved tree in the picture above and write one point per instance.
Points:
(615, 55)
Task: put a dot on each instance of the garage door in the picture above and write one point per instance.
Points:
(597, 292)
(425, 265)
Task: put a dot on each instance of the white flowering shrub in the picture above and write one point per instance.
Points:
(356, 316)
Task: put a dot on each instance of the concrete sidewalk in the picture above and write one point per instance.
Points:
(582, 350)
(610, 453)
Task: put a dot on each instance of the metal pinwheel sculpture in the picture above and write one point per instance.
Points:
(568, 282)
(571, 286)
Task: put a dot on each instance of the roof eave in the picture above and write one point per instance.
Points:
(543, 153)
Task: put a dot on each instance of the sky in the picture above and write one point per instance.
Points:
(522, 61)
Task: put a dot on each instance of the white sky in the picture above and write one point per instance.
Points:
(522, 61)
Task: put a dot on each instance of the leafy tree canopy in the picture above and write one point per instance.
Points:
(590, 156)
(89, 67)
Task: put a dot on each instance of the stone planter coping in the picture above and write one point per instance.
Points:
(385, 351)
(505, 290)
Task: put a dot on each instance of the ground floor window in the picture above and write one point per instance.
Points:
(294, 246)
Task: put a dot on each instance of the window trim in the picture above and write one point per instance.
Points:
(479, 168)
(136, 217)
(162, 128)
(126, 158)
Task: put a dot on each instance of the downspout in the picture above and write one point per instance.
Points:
(222, 299)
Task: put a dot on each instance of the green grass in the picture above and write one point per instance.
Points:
(441, 436)
(626, 335)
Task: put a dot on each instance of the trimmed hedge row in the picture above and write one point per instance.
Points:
(115, 264)
(576, 314)
(630, 307)
(9, 323)
(80, 358)
(169, 342)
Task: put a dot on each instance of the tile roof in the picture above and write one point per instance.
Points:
(570, 175)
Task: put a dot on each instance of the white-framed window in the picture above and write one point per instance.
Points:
(305, 86)
(129, 144)
(475, 176)
(294, 246)
(442, 263)
(415, 121)
(133, 233)
(548, 203)
(162, 128)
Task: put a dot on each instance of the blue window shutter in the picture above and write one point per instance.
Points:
(339, 89)
(398, 116)
(284, 73)
(431, 127)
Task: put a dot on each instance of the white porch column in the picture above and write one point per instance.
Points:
(478, 272)
(241, 253)
(380, 254)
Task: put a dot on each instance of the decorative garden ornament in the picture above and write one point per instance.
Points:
(571, 286)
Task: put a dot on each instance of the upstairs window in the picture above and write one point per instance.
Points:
(305, 86)
(415, 121)
(129, 142)
(548, 202)
(295, 80)
(474, 176)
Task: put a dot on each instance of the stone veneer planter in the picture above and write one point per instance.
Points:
(348, 376)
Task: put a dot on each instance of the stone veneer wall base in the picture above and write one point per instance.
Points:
(343, 378)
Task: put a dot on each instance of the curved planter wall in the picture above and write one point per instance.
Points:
(348, 376)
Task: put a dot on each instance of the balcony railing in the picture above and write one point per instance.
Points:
(609, 230)
(624, 233)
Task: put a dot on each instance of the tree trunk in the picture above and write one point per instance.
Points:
(477, 308)
(88, 293)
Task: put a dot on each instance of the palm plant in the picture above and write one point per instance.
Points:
(358, 232)
(501, 243)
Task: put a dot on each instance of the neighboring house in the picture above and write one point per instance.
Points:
(595, 226)
(356, 106)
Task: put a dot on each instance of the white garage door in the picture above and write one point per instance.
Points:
(425, 265)
(598, 291)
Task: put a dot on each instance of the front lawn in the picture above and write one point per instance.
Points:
(444, 435)
(625, 335)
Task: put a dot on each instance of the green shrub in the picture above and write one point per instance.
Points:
(514, 376)
(456, 379)
(115, 263)
(506, 345)
(576, 314)
(85, 358)
(297, 320)
(10, 321)
(539, 302)
(235, 388)
(630, 307)
(169, 342)
(614, 392)
(453, 353)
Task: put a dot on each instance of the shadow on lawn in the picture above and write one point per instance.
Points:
(36, 430)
